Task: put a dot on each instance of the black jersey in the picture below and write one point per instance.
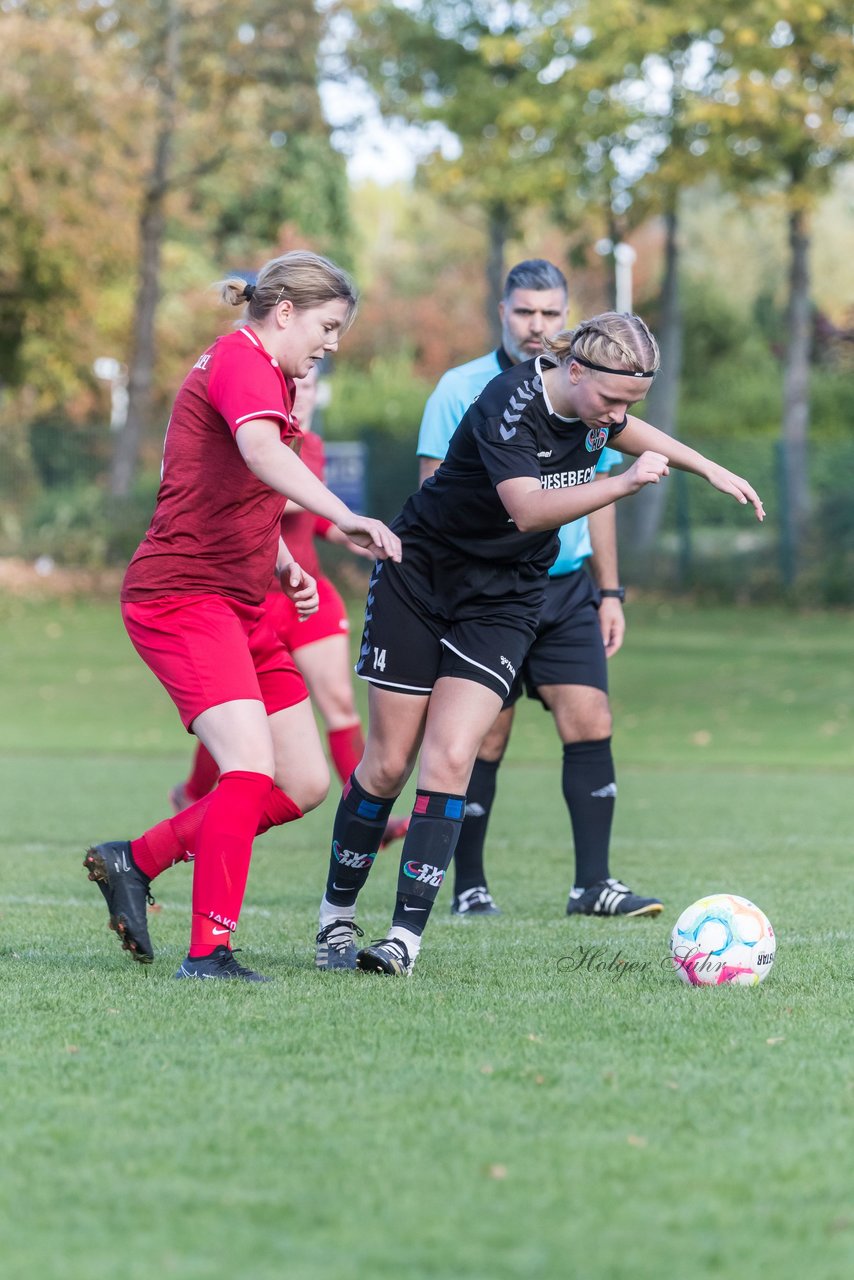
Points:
(510, 430)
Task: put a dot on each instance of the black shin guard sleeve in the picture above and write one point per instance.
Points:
(427, 852)
(359, 825)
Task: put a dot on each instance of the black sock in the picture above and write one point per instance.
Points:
(468, 858)
(437, 819)
(359, 825)
(590, 791)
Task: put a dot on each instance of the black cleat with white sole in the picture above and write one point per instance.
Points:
(610, 898)
(474, 902)
(219, 964)
(386, 955)
(126, 893)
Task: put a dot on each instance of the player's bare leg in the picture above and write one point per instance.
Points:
(459, 715)
(327, 670)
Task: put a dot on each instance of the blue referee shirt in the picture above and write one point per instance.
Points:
(454, 392)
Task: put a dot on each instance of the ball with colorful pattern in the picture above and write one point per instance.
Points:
(723, 940)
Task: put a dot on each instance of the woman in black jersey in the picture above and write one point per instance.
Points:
(447, 628)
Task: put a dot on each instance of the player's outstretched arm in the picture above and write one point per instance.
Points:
(737, 486)
(331, 533)
(279, 467)
(534, 509)
(638, 436)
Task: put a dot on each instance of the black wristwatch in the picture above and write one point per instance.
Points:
(613, 593)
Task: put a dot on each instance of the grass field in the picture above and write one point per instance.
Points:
(504, 1113)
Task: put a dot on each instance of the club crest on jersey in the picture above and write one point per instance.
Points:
(424, 873)
(597, 438)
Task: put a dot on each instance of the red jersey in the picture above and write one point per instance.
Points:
(299, 527)
(215, 528)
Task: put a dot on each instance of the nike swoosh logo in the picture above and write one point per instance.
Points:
(217, 932)
(414, 908)
(341, 887)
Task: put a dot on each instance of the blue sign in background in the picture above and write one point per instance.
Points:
(346, 472)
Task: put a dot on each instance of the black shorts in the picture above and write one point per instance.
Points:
(568, 648)
(412, 637)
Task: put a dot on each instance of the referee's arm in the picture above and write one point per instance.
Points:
(603, 539)
(442, 413)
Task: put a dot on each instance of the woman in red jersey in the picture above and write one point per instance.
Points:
(192, 603)
(319, 643)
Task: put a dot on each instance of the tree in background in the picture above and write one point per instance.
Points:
(780, 110)
(64, 221)
(195, 120)
(607, 114)
(495, 80)
(65, 237)
(640, 67)
(421, 281)
(229, 113)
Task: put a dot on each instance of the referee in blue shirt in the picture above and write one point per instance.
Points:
(581, 626)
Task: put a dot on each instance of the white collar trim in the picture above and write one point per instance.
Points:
(552, 364)
(247, 333)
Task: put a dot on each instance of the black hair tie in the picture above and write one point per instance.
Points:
(248, 291)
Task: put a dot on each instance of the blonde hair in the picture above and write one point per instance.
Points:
(304, 278)
(610, 339)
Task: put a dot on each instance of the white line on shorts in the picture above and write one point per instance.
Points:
(466, 658)
(388, 684)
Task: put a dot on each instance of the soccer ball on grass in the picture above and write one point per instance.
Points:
(722, 939)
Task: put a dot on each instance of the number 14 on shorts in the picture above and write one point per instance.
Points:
(379, 659)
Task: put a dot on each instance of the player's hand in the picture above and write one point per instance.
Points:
(373, 534)
(338, 539)
(356, 550)
(300, 587)
(649, 468)
(612, 624)
(729, 482)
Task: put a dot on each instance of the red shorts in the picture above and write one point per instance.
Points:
(330, 620)
(210, 649)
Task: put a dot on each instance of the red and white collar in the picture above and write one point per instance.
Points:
(256, 342)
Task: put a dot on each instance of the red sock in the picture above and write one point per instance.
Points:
(175, 839)
(346, 746)
(224, 849)
(203, 774)
(279, 809)
(171, 841)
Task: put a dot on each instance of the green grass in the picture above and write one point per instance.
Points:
(501, 1114)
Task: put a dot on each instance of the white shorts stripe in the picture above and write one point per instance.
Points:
(480, 665)
(389, 684)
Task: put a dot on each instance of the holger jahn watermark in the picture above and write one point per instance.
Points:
(596, 958)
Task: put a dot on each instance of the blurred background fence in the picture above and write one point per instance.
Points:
(55, 507)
